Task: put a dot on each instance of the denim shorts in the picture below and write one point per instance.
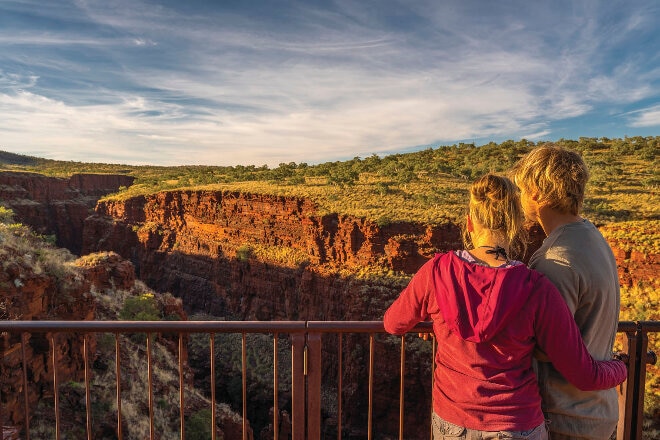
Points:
(444, 430)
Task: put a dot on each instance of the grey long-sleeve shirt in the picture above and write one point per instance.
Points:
(578, 260)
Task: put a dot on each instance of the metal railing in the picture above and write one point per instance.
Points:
(307, 374)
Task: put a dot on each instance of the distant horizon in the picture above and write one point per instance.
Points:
(168, 83)
(403, 151)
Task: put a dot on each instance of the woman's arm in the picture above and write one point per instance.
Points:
(559, 337)
(411, 306)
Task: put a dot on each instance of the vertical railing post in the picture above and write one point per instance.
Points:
(640, 379)
(120, 434)
(643, 357)
(434, 350)
(276, 389)
(26, 397)
(150, 368)
(244, 382)
(298, 386)
(402, 383)
(340, 382)
(88, 396)
(313, 385)
(371, 388)
(212, 355)
(626, 390)
(56, 386)
(182, 404)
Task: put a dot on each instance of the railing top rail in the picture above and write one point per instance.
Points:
(346, 326)
(649, 326)
(360, 327)
(240, 326)
(155, 326)
(627, 326)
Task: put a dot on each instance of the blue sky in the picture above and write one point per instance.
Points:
(232, 82)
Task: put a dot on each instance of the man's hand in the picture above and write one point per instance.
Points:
(621, 357)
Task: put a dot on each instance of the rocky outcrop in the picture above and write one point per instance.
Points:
(30, 293)
(113, 278)
(43, 283)
(636, 266)
(57, 206)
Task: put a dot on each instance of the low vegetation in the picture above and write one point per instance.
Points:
(426, 186)
(640, 236)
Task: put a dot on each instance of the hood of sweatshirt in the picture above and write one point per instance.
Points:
(478, 301)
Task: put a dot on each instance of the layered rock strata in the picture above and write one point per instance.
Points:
(204, 247)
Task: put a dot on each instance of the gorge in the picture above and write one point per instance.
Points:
(242, 256)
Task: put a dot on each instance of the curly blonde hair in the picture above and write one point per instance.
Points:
(495, 205)
(558, 175)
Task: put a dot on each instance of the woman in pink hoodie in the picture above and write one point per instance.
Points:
(489, 314)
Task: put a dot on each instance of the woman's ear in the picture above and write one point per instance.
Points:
(468, 224)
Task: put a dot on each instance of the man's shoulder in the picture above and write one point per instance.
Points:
(562, 253)
(570, 243)
(554, 264)
(556, 249)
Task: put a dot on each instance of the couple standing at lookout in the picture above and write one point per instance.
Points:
(523, 352)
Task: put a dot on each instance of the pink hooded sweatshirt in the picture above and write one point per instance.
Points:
(487, 322)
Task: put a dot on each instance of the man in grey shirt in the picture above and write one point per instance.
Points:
(578, 260)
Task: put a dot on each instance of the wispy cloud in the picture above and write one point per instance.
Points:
(536, 135)
(138, 82)
(648, 117)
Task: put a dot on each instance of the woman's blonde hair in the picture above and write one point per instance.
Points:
(559, 176)
(495, 205)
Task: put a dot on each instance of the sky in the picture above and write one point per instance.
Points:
(249, 82)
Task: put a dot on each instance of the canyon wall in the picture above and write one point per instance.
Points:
(199, 245)
(59, 206)
(204, 247)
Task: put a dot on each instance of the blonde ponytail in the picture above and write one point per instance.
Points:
(495, 205)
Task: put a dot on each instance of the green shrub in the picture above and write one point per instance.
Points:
(383, 220)
(382, 188)
(141, 308)
(244, 253)
(6, 215)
